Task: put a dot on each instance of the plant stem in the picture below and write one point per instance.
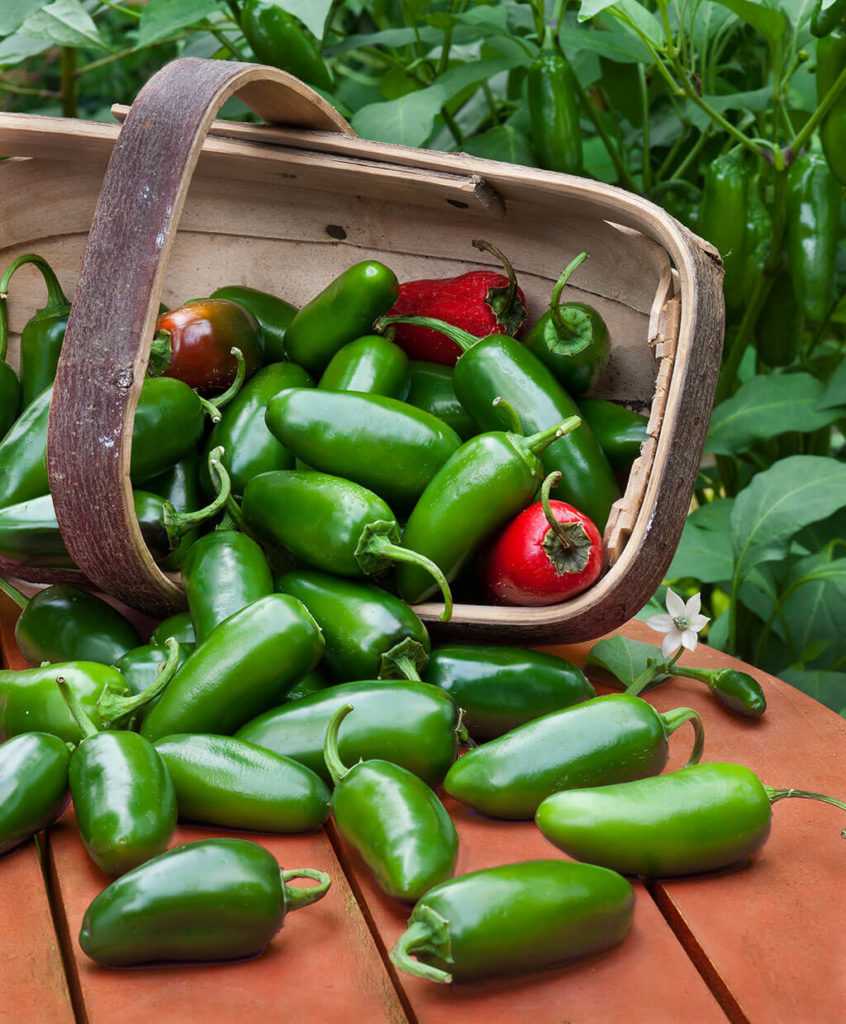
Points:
(623, 173)
(69, 107)
(810, 125)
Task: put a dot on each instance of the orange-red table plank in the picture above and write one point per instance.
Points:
(322, 965)
(32, 979)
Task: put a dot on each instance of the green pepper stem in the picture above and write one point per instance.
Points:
(553, 480)
(407, 657)
(515, 426)
(86, 726)
(537, 442)
(462, 338)
(236, 385)
(56, 299)
(335, 766)
(177, 523)
(783, 794)
(561, 325)
(428, 932)
(4, 328)
(377, 544)
(21, 600)
(115, 709)
(212, 411)
(511, 293)
(296, 898)
(654, 670)
(678, 716)
(160, 353)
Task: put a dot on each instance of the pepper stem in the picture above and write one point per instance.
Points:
(462, 338)
(212, 411)
(553, 480)
(678, 716)
(504, 302)
(406, 658)
(177, 523)
(296, 898)
(782, 794)
(376, 549)
(56, 298)
(514, 423)
(86, 726)
(115, 708)
(4, 327)
(427, 932)
(21, 600)
(334, 765)
(537, 442)
(561, 325)
(236, 385)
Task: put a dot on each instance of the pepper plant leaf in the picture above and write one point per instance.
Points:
(312, 13)
(771, 23)
(64, 23)
(705, 552)
(161, 18)
(408, 120)
(504, 142)
(13, 13)
(625, 659)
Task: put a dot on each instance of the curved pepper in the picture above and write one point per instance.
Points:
(10, 386)
(272, 314)
(607, 739)
(618, 431)
(140, 667)
(553, 109)
(813, 229)
(701, 818)
(778, 329)
(431, 389)
(408, 723)
(722, 218)
(392, 818)
(279, 39)
(225, 781)
(513, 919)
(217, 899)
(178, 626)
(33, 786)
(370, 364)
(831, 60)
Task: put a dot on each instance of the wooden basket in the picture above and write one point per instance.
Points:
(288, 208)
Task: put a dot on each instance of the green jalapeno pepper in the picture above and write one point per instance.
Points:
(700, 818)
(370, 364)
(408, 723)
(223, 573)
(65, 623)
(331, 524)
(825, 19)
(813, 229)
(23, 454)
(180, 485)
(178, 626)
(619, 432)
(758, 238)
(500, 688)
(10, 386)
(831, 60)
(369, 633)
(224, 781)
(249, 447)
(607, 739)
(722, 218)
(499, 366)
(778, 329)
(313, 682)
(571, 338)
(431, 389)
(272, 314)
(553, 109)
(279, 39)
(123, 798)
(342, 312)
(381, 443)
(392, 818)
(140, 667)
(33, 785)
(243, 667)
(216, 899)
(513, 919)
(43, 333)
(738, 692)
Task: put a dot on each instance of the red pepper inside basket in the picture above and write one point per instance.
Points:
(481, 302)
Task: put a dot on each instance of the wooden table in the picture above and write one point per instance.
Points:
(764, 944)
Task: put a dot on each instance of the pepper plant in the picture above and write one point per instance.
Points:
(729, 113)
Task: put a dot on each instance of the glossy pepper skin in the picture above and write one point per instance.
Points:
(500, 688)
(43, 333)
(193, 343)
(514, 919)
(831, 59)
(393, 819)
(370, 364)
(618, 431)
(408, 723)
(33, 786)
(178, 626)
(10, 386)
(278, 39)
(813, 226)
(244, 666)
(272, 314)
(758, 239)
(431, 390)
(330, 523)
(180, 485)
(23, 454)
(481, 302)
(607, 739)
(570, 339)
(249, 448)
(722, 218)
(825, 21)
(123, 798)
(169, 421)
(369, 633)
(778, 330)
(381, 443)
(701, 818)
(342, 312)
(216, 899)
(224, 781)
(140, 666)
(222, 573)
(553, 110)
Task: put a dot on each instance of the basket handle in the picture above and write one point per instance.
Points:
(112, 321)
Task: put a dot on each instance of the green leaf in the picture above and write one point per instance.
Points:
(18, 47)
(772, 24)
(835, 390)
(492, 17)
(453, 81)
(780, 501)
(312, 13)
(64, 23)
(616, 44)
(502, 143)
(13, 13)
(161, 18)
(766, 406)
(643, 19)
(590, 8)
(407, 121)
(828, 688)
(705, 552)
(624, 659)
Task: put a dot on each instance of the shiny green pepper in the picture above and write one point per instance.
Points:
(33, 785)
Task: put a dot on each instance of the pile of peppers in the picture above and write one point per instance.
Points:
(285, 461)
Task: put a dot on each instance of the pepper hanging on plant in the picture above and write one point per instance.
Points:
(813, 225)
(831, 60)
(279, 39)
(553, 109)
